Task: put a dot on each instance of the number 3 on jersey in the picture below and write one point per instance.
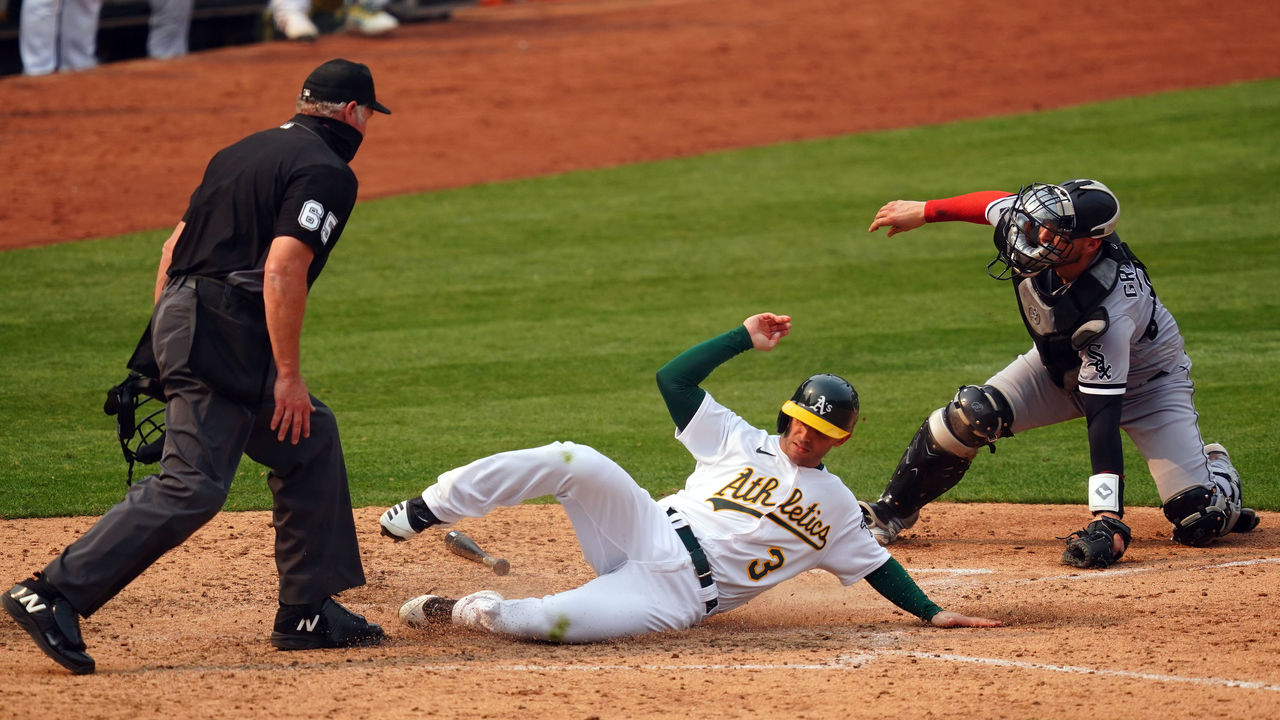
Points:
(757, 569)
(310, 218)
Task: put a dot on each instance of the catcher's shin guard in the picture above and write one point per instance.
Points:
(944, 446)
(927, 470)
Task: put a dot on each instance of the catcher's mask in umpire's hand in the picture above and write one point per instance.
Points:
(1035, 233)
(826, 403)
(140, 440)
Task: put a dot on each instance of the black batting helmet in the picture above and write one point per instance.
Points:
(827, 403)
(1042, 213)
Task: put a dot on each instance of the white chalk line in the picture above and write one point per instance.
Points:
(1081, 670)
(840, 663)
(857, 660)
(852, 661)
(1086, 574)
(1241, 563)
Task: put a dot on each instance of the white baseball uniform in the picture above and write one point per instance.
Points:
(759, 517)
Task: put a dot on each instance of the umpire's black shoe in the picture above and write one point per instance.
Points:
(51, 622)
(301, 627)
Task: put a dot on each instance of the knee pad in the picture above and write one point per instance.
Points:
(944, 446)
(978, 416)
(1199, 515)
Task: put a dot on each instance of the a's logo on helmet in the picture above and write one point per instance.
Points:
(820, 405)
(1033, 315)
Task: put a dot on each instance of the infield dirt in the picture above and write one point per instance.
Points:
(1169, 632)
(527, 89)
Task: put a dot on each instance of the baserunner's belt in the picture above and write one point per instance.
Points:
(700, 564)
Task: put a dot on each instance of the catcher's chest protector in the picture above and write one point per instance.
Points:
(1062, 322)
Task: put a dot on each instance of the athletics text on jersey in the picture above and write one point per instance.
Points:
(762, 518)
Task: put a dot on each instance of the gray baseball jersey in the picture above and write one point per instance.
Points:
(1138, 355)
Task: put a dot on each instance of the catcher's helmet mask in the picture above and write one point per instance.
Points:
(1035, 233)
(827, 403)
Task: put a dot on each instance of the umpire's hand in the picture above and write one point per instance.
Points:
(293, 409)
(284, 296)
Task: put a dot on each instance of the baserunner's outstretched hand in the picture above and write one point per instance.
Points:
(949, 619)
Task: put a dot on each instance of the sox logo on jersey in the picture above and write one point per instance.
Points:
(1098, 361)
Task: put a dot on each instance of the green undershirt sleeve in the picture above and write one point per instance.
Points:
(892, 581)
(678, 379)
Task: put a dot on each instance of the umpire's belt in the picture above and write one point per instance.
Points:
(700, 564)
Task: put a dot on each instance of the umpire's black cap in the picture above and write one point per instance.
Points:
(341, 80)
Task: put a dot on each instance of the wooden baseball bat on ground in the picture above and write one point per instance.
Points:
(462, 545)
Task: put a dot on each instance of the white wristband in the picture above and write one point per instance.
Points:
(1106, 493)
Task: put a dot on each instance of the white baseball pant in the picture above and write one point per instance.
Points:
(645, 578)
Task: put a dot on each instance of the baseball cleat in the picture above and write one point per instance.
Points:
(1247, 522)
(370, 21)
(1248, 519)
(299, 627)
(883, 524)
(295, 25)
(1216, 448)
(427, 610)
(473, 610)
(407, 519)
(52, 622)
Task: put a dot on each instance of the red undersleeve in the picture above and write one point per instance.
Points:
(970, 207)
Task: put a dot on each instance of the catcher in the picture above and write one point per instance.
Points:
(1104, 348)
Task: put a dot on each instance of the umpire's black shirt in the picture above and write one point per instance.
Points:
(292, 180)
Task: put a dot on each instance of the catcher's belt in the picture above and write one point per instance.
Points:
(699, 557)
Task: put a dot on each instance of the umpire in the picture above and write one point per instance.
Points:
(223, 340)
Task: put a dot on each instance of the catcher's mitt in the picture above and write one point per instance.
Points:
(1094, 545)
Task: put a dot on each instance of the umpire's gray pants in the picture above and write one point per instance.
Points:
(1158, 416)
(315, 548)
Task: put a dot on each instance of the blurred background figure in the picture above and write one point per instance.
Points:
(62, 35)
(367, 17)
(370, 17)
(58, 35)
(169, 28)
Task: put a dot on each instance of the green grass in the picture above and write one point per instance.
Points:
(454, 324)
